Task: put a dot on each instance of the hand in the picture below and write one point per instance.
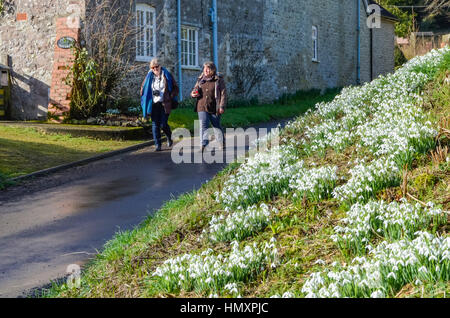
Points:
(221, 111)
(194, 94)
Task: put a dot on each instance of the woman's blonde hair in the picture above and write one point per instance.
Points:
(211, 66)
(154, 62)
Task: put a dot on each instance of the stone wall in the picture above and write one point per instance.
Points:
(383, 48)
(28, 36)
(265, 47)
(166, 47)
(291, 51)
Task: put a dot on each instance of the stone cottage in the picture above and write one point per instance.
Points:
(264, 48)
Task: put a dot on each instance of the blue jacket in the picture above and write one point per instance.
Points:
(147, 93)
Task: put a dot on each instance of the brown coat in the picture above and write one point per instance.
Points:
(220, 92)
(169, 97)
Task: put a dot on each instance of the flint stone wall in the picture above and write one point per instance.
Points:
(28, 37)
(265, 47)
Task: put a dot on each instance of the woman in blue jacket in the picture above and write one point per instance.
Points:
(159, 93)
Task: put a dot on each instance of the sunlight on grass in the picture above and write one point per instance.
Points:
(25, 150)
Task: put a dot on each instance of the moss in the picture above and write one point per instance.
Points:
(424, 183)
(390, 194)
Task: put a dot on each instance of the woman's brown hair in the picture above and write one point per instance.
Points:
(211, 66)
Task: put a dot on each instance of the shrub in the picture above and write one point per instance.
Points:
(399, 57)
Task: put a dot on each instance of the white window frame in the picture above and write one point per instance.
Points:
(189, 59)
(315, 43)
(146, 36)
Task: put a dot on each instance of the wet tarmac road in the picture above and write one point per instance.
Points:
(43, 232)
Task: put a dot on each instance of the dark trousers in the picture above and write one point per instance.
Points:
(160, 121)
(206, 118)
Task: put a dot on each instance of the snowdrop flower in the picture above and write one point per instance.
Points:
(320, 262)
(377, 294)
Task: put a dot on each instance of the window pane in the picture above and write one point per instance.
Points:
(188, 47)
(183, 51)
(145, 36)
(148, 43)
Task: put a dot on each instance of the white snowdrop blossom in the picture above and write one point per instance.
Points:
(390, 266)
(367, 179)
(285, 295)
(240, 224)
(276, 172)
(263, 176)
(391, 221)
(314, 183)
(210, 274)
(360, 113)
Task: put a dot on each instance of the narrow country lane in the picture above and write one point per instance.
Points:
(43, 232)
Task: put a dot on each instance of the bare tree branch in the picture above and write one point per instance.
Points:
(438, 7)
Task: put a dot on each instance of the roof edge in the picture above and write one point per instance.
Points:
(384, 12)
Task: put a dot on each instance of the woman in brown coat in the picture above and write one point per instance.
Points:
(210, 92)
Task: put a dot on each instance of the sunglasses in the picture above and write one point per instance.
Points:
(156, 67)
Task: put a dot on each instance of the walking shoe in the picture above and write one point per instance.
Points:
(158, 148)
(170, 143)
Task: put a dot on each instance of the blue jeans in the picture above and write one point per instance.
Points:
(205, 118)
(160, 120)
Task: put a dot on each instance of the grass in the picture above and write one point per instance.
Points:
(25, 150)
(302, 228)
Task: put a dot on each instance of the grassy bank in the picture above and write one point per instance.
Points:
(354, 203)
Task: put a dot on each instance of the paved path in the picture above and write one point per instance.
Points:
(43, 232)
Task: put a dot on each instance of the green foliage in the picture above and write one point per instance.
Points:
(88, 94)
(405, 26)
(300, 95)
(236, 102)
(434, 70)
(399, 57)
(126, 104)
(424, 183)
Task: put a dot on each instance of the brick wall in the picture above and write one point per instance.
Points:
(62, 62)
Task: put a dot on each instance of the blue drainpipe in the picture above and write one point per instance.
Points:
(215, 39)
(180, 71)
(358, 66)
